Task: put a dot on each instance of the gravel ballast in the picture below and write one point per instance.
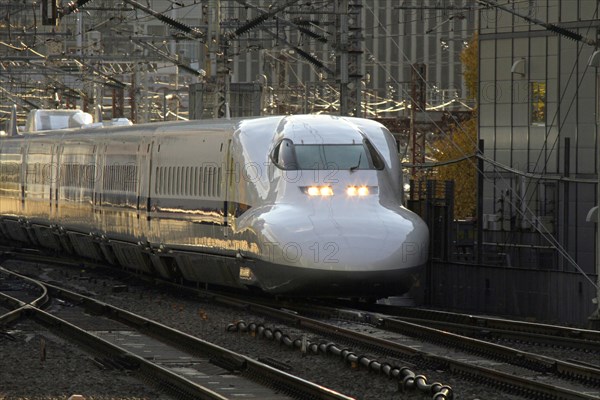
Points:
(207, 321)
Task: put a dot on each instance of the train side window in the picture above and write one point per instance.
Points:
(169, 190)
(375, 157)
(118, 184)
(219, 177)
(211, 180)
(175, 182)
(195, 181)
(284, 155)
(179, 183)
(204, 180)
(182, 181)
(187, 181)
(175, 191)
(159, 181)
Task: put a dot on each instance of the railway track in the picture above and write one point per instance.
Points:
(479, 326)
(178, 362)
(528, 374)
(505, 369)
(18, 293)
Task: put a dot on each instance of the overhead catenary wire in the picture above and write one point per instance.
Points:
(514, 171)
(559, 30)
(257, 22)
(196, 33)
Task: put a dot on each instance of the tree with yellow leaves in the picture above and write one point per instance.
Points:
(460, 142)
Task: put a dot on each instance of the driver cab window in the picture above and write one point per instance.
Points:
(289, 156)
(284, 155)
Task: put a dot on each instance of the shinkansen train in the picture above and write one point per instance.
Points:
(306, 205)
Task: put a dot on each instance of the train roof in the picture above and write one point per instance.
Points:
(326, 129)
(307, 129)
(120, 128)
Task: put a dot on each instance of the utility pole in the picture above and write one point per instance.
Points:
(213, 36)
(418, 104)
(348, 48)
(218, 68)
(341, 13)
(210, 97)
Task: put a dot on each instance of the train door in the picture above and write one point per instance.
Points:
(49, 178)
(144, 191)
(119, 186)
(23, 179)
(53, 172)
(55, 182)
(94, 179)
(12, 189)
(230, 178)
(99, 152)
(38, 158)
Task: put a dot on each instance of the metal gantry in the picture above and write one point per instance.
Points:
(85, 51)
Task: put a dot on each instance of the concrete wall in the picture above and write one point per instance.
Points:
(543, 296)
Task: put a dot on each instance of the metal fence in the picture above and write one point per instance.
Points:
(518, 281)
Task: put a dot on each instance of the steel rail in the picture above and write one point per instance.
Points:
(245, 365)
(477, 372)
(560, 334)
(18, 306)
(414, 328)
(98, 345)
(166, 378)
(508, 334)
(540, 363)
(174, 382)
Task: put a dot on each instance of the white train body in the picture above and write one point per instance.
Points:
(299, 205)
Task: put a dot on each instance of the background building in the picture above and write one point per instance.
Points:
(538, 121)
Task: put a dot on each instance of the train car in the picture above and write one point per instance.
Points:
(307, 205)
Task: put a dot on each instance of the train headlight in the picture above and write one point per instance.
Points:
(313, 191)
(357, 190)
(326, 191)
(318, 190)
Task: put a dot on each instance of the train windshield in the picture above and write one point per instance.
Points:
(290, 156)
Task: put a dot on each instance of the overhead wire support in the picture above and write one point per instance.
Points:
(549, 26)
(260, 19)
(308, 57)
(253, 23)
(196, 33)
(72, 7)
(175, 61)
(110, 81)
(445, 8)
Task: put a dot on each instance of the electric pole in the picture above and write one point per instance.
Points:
(349, 50)
(418, 104)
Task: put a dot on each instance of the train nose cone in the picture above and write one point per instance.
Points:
(356, 249)
(369, 240)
